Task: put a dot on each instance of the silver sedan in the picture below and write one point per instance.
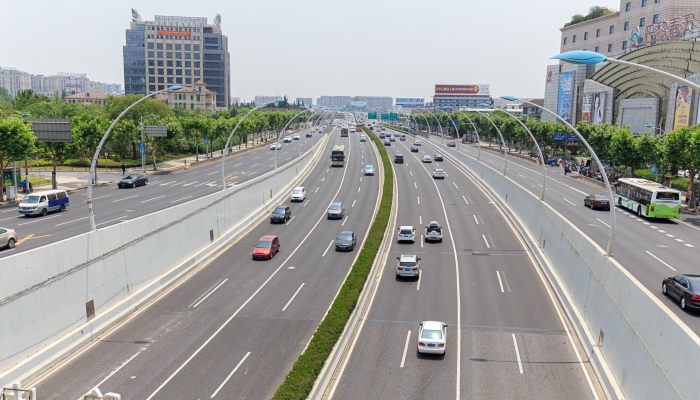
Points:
(8, 238)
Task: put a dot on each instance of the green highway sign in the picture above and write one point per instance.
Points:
(385, 117)
(393, 116)
(372, 115)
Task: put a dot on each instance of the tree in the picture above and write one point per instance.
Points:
(647, 148)
(622, 148)
(27, 97)
(682, 149)
(57, 152)
(15, 141)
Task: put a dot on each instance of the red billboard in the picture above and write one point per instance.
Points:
(174, 33)
(463, 90)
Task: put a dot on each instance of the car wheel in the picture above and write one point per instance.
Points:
(44, 212)
(133, 185)
(62, 208)
(664, 290)
(683, 302)
(11, 243)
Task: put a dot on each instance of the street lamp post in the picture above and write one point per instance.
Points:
(503, 142)
(442, 133)
(455, 126)
(93, 163)
(26, 162)
(426, 121)
(655, 128)
(608, 188)
(228, 142)
(539, 152)
(284, 130)
(478, 139)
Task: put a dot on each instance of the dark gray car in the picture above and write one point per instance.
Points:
(133, 180)
(345, 241)
(281, 215)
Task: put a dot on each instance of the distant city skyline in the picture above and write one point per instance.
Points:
(399, 49)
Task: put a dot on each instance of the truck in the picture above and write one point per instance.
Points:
(343, 132)
(433, 232)
(338, 155)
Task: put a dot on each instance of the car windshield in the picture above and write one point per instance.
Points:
(598, 197)
(694, 282)
(31, 199)
(407, 264)
(297, 191)
(666, 195)
(345, 236)
(264, 245)
(130, 177)
(279, 210)
(431, 334)
(334, 207)
(405, 231)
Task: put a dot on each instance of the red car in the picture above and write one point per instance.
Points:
(266, 247)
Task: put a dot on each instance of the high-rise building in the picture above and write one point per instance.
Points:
(260, 100)
(61, 84)
(176, 51)
(14, 80)
(357, 103)
(306, 101)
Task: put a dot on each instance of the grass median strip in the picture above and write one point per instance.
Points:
(300, 380)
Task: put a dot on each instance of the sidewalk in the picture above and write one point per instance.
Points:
(76, 180)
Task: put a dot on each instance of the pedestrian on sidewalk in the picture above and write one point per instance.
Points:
(123, 169)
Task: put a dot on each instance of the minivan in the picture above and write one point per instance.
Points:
(41, 203)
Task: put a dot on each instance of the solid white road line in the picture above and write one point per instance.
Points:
(405, 349)
(290, 220)
(230, 375)
(345, 220)
(660, 260)
(190, 183)
(568, 201)
(353, 203)
(179, 200)
(500, 282)
(6, 219)
(212, 173)
(599, 220)
(465, 200)
(101, 197)
(112, 220)
(153, 198)
(475, 219)
(485, 241)
(517, 354)
(39, 219)
(209, 294)
(68, 222)
(293, 296)
(167, 183)
(327, 248)
(125, 198)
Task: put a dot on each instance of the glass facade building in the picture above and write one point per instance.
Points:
(176, 51)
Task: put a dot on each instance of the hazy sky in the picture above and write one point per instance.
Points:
(308, 48)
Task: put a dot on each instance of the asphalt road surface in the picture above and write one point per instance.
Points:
(650, 249)
(234, 329)
(113, 205)
(506, 337)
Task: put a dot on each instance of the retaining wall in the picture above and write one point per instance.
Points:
(45, 292)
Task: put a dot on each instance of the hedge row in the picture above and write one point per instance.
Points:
(300, 380)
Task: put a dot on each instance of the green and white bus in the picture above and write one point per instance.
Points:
(647, 198)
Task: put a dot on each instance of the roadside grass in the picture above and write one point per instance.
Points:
(300, 380)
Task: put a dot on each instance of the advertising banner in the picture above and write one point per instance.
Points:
(410, 102)
(681, 116)
(586, 108)
(358, 104)
(565, 96)
(463, 90)
(599, 108)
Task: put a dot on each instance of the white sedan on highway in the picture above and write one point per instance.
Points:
(275, 146)
(438, 173)
(432, 337)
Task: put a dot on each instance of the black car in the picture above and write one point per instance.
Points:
(133, 180)
(599, 201)
(437, 157)
(281, 215)
(414, 149)
(345, 241)
(451, 144)
(398, 159)
(685, 288)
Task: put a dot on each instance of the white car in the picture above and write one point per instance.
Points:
(296, 137)
(275, 146)
(427, 159)
(287, 139)
(408, 265)
(438, 173)
(432, 337)
(363, 138)
(407, 233)
(8, 238)
(299, 194)
(417, 143)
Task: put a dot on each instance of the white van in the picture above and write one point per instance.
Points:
(43, 202)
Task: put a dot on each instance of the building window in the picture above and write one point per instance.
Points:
(597, 49)
(195, 47)
(565, 41)
(168, 46)
(152, 71)
(188, 47)
(655, 19)
(585, 35)
(188, 56)
(597, 32)
(159, 54)
(151, 79)
(624, 45)
(170, 71)
(628, 6)
(573, 39)
(151, 63)
(159, 46)
(161, 71)
(657, 1)
(178, 72)
(178, 55)
(178, 80)
(169, 54)
(150, 45)
(612, 29)
(170, 63)
(626, 26)
(610, 48)
(642, 21)
(644, 3)
(178, 46)
(161, 79)
(170, 80)
(152, 88)
(188, 64)
(188, 81)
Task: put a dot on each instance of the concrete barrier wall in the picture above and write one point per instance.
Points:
(649, 351)
(44, 291)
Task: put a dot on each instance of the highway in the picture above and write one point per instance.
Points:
(234, 328)
(649, 249)
(506, 335)
(166, 189)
